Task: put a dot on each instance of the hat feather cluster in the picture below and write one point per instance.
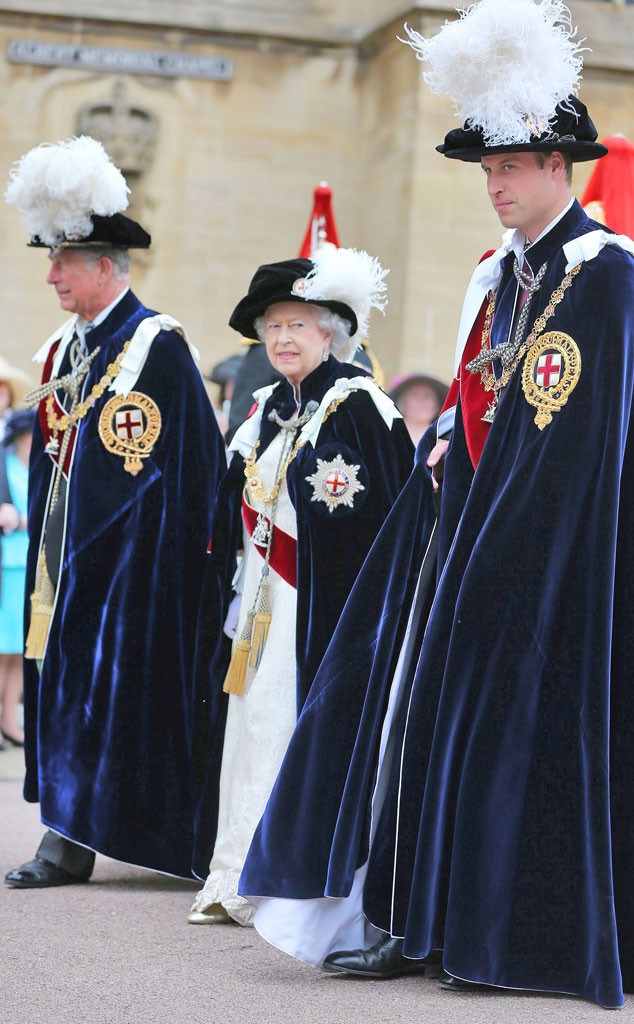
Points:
(350, 276)
(506, 64)
(57, 187)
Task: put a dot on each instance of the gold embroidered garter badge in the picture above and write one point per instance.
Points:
(551, 371)
(129, 426)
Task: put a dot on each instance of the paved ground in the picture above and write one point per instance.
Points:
(119, 951)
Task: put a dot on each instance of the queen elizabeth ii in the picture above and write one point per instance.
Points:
(314, 471)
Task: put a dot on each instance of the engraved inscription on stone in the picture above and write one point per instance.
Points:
(108, 59)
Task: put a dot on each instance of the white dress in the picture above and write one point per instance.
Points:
(260, 721)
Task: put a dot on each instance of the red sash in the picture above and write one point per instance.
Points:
(58, 410)
(283, 556)
(475, 400)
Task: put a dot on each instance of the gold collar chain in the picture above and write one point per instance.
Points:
(288, 453)
(488, 378)
(251, 471)
(62, 423)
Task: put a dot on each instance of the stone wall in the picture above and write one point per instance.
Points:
(223, 171)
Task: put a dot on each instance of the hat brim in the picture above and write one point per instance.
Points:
(20, 422)
(115, 232)
(571, 131)
(247, 312)
(18, 381)
(578, 151)
(437, 386)
(225, 370)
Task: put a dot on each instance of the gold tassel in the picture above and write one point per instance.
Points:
(42, 600)
(261, 623)
(237, 672)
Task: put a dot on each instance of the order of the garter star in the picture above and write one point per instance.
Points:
(335, 483)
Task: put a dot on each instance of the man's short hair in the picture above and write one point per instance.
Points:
(566, 157)
(120, 258)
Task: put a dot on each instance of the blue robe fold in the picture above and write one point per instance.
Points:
(110, 718)
(506, 837)
(300, 849)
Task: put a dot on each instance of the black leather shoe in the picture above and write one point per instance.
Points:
(40, 874)
(447, 981)
(13, 740)
(382, 960)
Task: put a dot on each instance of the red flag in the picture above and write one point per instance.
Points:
(609, 194)
(321, 226)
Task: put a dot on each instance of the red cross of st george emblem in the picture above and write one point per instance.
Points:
(335, 482)
(129, 424)
(548, 371)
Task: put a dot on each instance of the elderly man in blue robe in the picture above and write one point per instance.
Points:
(125, 461)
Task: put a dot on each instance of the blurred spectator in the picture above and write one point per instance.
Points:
(14, 473)
(13, 385)
(365, 357)
(419, 399)
(224, 374)
(254, 372)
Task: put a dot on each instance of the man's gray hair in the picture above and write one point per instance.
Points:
(120, 258)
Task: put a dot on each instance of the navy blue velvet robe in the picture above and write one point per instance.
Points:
(109, 721)
(331, 547)
(506, 839)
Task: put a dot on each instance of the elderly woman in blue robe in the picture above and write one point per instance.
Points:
(314, 471)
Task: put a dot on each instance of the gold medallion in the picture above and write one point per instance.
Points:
(550, 374)
(129, 426)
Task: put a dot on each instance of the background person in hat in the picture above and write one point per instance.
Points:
(14, 471)
(502, 838)
(419, 399)
(13, 385)
(254, 372)
(125, 460)
(313, 474)
(224, 375)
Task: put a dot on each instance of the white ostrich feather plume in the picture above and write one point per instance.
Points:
(351, 276)
(506, 64)
(57, 187)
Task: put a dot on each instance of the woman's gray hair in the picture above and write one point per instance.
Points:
(342, 345)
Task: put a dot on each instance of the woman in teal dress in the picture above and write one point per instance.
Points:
(14, 461)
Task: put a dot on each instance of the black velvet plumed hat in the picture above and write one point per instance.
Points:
(280, 282)
(347, 281)
(572, 131)
(70, 194)
(512, 69)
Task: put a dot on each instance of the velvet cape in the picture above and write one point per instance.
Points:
(109, 721)
(331, 548)
(506, 838)
(314, 832)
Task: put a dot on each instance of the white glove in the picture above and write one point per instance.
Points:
(231, 621)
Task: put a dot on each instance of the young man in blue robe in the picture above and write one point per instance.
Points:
(125, 462)
(476, 804)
